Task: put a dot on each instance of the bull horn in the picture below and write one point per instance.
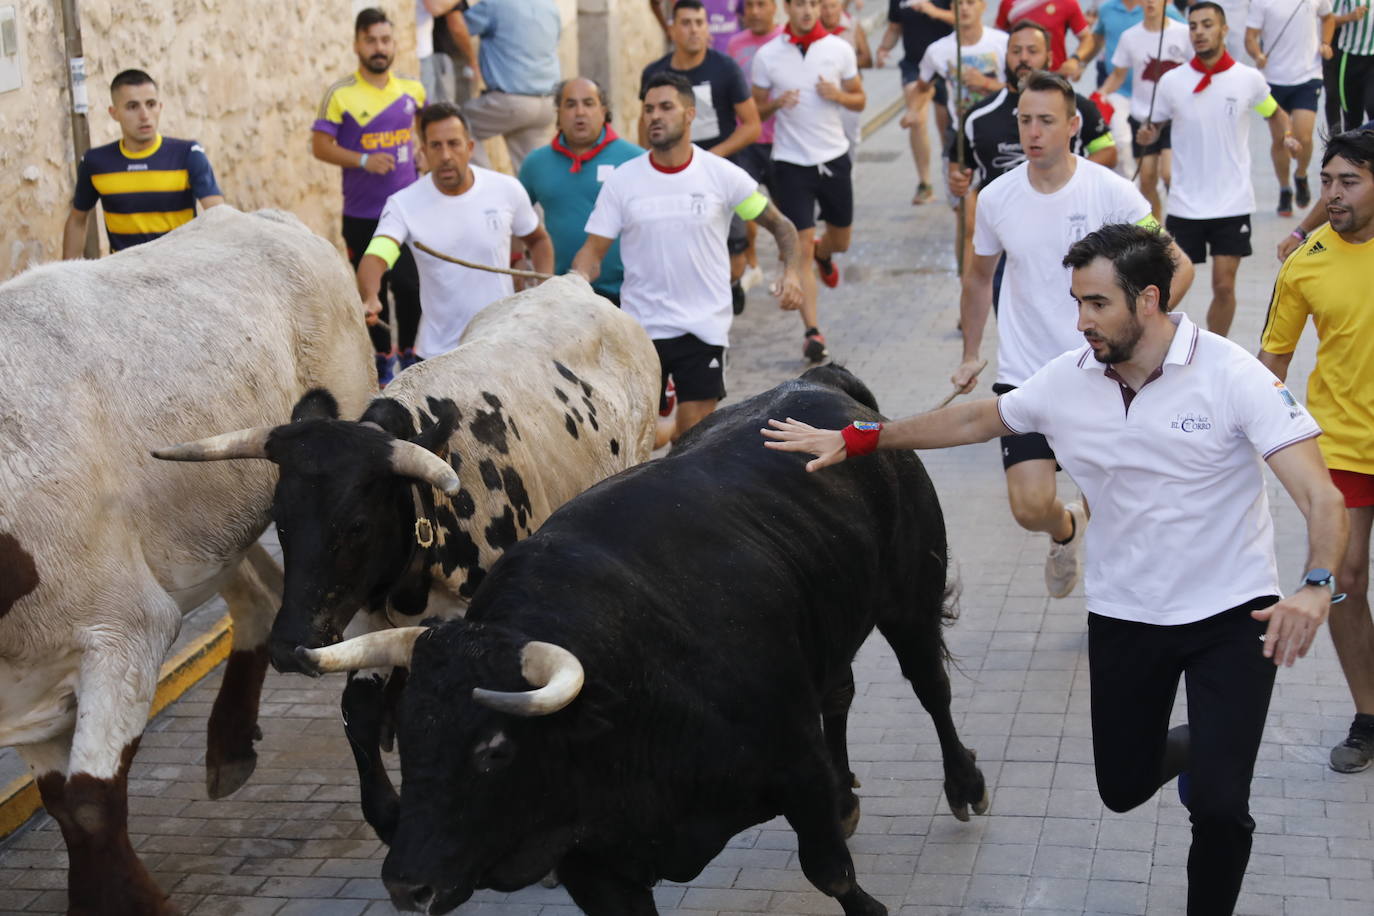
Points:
(244, 443)
(556, 673)
(382, 649)
(419, 463)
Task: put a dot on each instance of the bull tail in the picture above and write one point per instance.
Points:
(944, 564)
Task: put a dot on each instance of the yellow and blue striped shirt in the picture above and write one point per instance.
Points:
(147, 194)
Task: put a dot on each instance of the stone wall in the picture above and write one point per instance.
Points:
(244, 77)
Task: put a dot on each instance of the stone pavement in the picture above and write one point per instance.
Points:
(292, 841)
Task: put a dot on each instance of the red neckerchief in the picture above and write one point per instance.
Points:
(1224, 62)
(581, 159)
(817, 32)
(675, 169)
(837, 29)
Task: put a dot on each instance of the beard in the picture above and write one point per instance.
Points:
(668, 139)
(1119, 349)
(1014, 79)
(377, 63)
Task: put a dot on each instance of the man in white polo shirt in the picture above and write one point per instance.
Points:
(1032, 213)
(461, 210)
(809, 78)
(1167, 429)
(671, 211)
(1207, 105)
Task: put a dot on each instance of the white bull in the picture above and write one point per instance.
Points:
(228, 320)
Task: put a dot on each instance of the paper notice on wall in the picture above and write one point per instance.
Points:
(80, 104)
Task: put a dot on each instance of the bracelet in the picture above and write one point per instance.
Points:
(1300, 234)
(861, 437)
(362, 163)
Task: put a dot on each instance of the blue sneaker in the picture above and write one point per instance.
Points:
(386, 368)
(1185, 788)
(409, 358)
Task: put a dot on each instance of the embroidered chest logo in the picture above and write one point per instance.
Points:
(1078, 226)
(699, 204)
(1317, 248)
(1232, 106)
(1191, 422)
(493, 220)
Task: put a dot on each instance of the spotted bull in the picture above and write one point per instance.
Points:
(402, 513)
(666, 662)
(231, 318)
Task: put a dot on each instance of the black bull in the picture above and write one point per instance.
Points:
(716, 600)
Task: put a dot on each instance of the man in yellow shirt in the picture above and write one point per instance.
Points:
(1328, 278)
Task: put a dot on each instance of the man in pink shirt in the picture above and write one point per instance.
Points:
(756, 159)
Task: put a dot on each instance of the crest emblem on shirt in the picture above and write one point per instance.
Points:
(1286, 396)
(1191, 422)
(698, 204)
(1078, 226)
(1232, 105)
(493, 219)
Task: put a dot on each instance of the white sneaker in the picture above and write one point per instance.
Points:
(1064, 565)
(751, 278)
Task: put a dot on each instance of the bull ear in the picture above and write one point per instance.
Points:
(555, 673)
(315, 404)
(446, 416)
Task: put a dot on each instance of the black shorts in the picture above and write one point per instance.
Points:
(1226, 235)
(797, 189)
(697, 368)
(1300, 96)
(1026, 447)
(757, 160)
(1155, 148)
(737, 240)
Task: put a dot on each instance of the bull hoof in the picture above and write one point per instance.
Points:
(982, 805)
(228, 777)
(850, 822)
(550, 880)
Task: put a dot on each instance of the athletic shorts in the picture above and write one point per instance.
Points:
(798, 189)
(911, 72)
(1357, 488)
(737, 240)
(1026, 447)
(757, 160)
(1158, 146)
(697, 368)
(1301, 96)
(1225, 235)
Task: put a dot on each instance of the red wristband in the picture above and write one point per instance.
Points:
(861, 437)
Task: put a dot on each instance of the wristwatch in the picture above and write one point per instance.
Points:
(1323, 578)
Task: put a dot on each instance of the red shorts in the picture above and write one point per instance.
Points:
(1357, 488)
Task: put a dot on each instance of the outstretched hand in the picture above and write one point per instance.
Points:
(795, 436)
(1293, 624)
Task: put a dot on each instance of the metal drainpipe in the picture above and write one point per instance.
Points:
(76, 85)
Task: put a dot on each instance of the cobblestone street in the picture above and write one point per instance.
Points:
(293, 840)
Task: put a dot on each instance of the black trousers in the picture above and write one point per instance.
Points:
(1135, 669)
(1349, 82)
(402, 280)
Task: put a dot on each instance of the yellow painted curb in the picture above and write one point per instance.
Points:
(19, 800)
(879, 120)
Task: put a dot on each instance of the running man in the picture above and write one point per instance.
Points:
(461, 210)
(148, 184)
(1329, 281)
(1167, 428)
(366, 127)
(1033, 213)
(808, 78)
(1060, 18)
(1208, 105)
(671, 210)
(919, 24)
(566, 176)
(1144, 54)
(1283, 37)
(1351, 75)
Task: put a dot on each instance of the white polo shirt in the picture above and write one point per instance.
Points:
(1211, 139)
(1296, 25)
(1181, 527)
(672, 227)
(812, 131)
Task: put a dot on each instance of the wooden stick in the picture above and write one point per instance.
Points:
(958, 391)
(528, 274)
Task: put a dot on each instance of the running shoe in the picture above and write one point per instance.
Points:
(670, 396)
(1064, 565)
(1356, 753)
(830, 274)
(813, 346)
(1285, 202)
(753, 276)
(1303, 195)
(386, 368)
(409, 358)
(924, 192)
(737, 298)
(1185, 788)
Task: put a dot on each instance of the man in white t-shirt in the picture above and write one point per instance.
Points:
(1033, 213)
(460, 210)
(1284, 37)
(809, 78)
(1167, 428)
(671, 211)
(984, 54)
(1145, 54)
(1207, 104)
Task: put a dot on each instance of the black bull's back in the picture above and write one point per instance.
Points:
(716, 599)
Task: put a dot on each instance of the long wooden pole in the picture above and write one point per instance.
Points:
(76, 87)
(960, 231)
